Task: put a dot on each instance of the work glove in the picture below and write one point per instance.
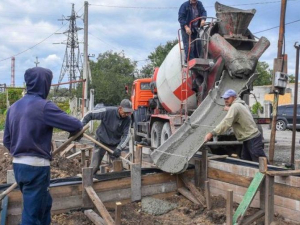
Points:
(78, 138)
(117, 152)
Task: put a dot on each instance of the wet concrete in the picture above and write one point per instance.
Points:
(156, 207)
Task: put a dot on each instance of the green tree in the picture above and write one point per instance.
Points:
(157, 57)
(265, 74)
(110, 74)
(291, 78)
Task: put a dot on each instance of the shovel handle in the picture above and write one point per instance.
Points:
(106, 148)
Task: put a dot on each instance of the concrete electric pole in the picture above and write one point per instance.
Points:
(85, 56)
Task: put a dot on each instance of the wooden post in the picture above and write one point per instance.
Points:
(197, 172)
(297, 164)
(86, 163)
(203, 176)
(136, 182)
(117, 165)
(82, 156)
(269, 200)
(263, 168)
(87, 181)
(99, 205)
(138, 154)
(229, 207)
(118, 213)
(207, 195)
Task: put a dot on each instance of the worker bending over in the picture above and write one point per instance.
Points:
(240, 119)
(113, 130)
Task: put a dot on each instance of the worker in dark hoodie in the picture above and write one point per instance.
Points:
(28, 133)
(240, 119)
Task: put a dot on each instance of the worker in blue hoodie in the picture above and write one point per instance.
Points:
(189, 11)
(27, 135)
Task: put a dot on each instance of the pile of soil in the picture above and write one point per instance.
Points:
(5, 164)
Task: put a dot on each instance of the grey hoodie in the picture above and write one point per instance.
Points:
(240, 119)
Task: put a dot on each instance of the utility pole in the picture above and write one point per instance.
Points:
(72, 65)
(85, 55)
(297, 46)
(36, 61)
(280, 64)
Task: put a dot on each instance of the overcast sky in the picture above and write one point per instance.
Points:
(135, 26)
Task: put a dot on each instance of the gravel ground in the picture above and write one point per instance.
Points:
(283, 145)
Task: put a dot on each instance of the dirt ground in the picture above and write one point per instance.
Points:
(186, 212)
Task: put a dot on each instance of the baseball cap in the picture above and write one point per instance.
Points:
(229, 93)
(126, 105)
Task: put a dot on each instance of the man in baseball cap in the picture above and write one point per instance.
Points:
(113, 131)
(240, 119)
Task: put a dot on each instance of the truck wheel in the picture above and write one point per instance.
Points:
(156, 134)
(165, 133)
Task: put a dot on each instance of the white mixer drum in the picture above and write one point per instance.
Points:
(168, 83)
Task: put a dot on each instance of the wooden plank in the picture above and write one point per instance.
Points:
(99, 205)
(249, 220)
(197, 172)
(82, 156)
(217, 157)
(67, 149)
(297, 164)
(188, 195)
(73, 155)
(193, 189)
(207, 195)
(229, 207)
(263, 167)
(87, 181)
(138, 154)
(284, 173)
(118, 213)
(94, 217)
(248, 197)
(117, 165)
(269, 200)
(203, 173)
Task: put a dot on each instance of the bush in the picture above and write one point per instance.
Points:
(256, 108)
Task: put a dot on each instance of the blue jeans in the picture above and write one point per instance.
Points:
(195, 51)
(253, 149)
(34, 182)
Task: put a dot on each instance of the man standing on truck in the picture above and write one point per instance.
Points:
(27, 135)
(240, 119)
(113, 130)
(189, 11)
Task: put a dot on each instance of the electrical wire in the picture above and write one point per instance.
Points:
(275, 27)
(176, 8)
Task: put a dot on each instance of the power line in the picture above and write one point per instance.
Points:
(173, 8)
(1, 60)
(275, 27)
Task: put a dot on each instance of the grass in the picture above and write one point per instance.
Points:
(2, 121)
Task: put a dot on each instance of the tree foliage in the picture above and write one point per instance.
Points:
(157, 57)
(110, 74)
(265, 74)
(291, 78)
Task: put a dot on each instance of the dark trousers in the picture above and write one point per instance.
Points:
(253, 149)
(195, 51)
(98, 154)
(34, 182)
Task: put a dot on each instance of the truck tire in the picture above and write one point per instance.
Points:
(156, 134)
(165, 133)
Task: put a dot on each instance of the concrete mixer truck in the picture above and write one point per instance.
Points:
(174, 94)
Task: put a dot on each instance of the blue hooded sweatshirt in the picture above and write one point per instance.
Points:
(30, 121)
